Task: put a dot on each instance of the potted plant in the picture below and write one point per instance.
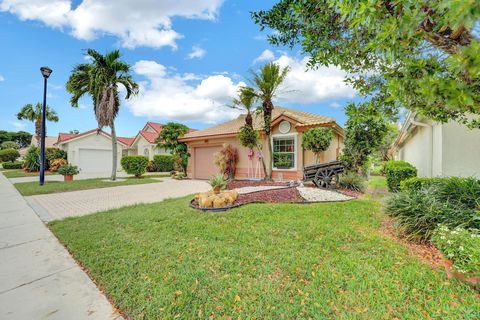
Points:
(282, 162)
(68, 171)
(218, 183)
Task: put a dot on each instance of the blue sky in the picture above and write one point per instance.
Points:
(189, 57)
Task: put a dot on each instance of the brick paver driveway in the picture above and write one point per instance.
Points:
(68, 204)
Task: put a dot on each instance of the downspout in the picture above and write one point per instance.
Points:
(425, 125)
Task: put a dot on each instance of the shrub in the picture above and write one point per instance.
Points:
(136, 165)
(352, 181)
(9, 155)
(226, 160)
(32, 159)
(218, 181)
(418, 212)
(52, 154)
(418, 183)
(248, 137)
(317, 140)
(68, 170)
(461, 246)
(56, 164)
(12, 165)
(163, 162)
(396, 172)
(151, 166)
(9, 145)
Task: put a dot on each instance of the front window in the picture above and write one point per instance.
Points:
(284, 152)
(146, 152)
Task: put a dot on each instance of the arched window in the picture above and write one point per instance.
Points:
(146, 152)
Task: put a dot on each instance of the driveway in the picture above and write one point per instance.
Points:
(80, 176)
(77, 203)
(38, 278)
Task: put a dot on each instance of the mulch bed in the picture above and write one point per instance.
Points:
(271, 196)
(252, 183)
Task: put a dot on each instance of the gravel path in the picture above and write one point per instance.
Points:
(315, 194)
(246, 190)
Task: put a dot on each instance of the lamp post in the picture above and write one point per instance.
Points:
(46, 71)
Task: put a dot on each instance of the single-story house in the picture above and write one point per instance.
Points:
(91, 151)
(439, 149)
(288, 126)
(49, 143)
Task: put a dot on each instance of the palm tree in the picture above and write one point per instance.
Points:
(100, 79)
(245, 101)
(267, 83)
(34, 114)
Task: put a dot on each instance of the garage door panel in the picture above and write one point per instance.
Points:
(204, 162)
(95, 160)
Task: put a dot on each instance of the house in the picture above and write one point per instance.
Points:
(288, 126)
(91, 151)
(49, 143)
(439, 149)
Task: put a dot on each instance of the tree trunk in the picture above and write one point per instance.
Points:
(114, 152)
(38, 130)
(268, 176)
(267, 107)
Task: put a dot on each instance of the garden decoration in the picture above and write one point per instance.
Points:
(250, 171)
(325, 175)
(258, 169)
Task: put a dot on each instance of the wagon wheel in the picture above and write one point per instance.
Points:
(326, 178)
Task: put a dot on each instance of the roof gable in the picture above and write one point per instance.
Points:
(68, 137)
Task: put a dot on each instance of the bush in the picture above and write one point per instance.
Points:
(151, 166)
(163, 162)
(352, 181)
(52, 154)
(396, 172)
(9, 145)
(461, 246)
(12, 165)
(136, 165)
(226, 160)
(218, 181)
(32, 159)
(452, 202)
(68, 170)
(56, 164)
(418, 183)
(9, 155)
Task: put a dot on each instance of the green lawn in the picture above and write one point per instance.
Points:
(260, 261)
(19, 173)
(32, 188)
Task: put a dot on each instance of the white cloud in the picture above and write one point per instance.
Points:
(335, 105)
(135, 23)
(172, 96)
(18, 125)
(304, 85)
(267, 55)
(197, 52)
(2, 78)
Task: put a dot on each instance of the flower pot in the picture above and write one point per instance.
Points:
(216, 190)
(67, 178)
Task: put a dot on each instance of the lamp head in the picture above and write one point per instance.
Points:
(46, 71)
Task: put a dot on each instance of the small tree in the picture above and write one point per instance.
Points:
(9, 145)
(317, 140)
(385, 151)
(365, 130)
(168, 139)
(9, 155)
(226, 161)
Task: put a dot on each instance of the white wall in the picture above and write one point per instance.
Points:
(461, 150)
(92, 141)
(417, 150)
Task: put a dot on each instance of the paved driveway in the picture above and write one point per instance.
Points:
(80, 176)
(77, 203)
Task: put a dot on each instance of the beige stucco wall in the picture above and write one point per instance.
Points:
(449, 149)
(142, 144)
(92, 141)
(303, 157)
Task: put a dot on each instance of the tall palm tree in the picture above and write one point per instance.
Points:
(267, 82)
(34, 114)
(100, 79)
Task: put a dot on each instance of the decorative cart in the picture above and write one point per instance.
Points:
(324, 175)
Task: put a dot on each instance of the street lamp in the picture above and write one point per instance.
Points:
(46, 71)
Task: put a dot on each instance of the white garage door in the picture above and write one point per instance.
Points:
(94, 160)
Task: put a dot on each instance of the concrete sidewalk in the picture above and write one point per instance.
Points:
(38, 278)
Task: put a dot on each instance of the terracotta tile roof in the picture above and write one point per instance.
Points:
(233, 126)
(126, 140)
(62, 137)
(156, 126)
(149, 136)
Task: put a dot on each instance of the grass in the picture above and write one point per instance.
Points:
(260, 261)
(33, 188)
(377, 182)
(19, 173)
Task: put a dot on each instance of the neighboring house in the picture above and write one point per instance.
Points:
(91, 151)
(436, 149)
(49, 143)
(287, 128)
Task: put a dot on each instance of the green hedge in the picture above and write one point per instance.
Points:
(53, 154)
(12, 165)
(9, 155)
(136, 165)
(163, 162)
(418, 183)
(396, 172)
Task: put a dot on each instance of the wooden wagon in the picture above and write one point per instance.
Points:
(324, 175)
